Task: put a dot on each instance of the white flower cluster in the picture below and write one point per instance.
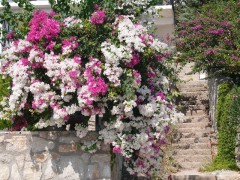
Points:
(152, 126)
(114, 54)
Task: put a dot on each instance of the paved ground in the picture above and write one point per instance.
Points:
(217, 175)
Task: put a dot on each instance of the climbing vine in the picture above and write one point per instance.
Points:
(227, 116)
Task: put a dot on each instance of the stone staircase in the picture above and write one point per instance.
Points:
(192, 142)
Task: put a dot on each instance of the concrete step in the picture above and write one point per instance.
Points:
(192, 146)
(193, 177)
(196, 158)
(192, 152)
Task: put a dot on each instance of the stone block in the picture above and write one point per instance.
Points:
(101, 158)
(50, 169)
(93, 171)
(52, 135)
(15, 175)
(69, 139)
(5, 171)
(39, 144)
(2, 147)
(40, 157)
(86, 157)
(43, 134)
(67, 148)
(55, 156)
(32, 171)
(20, 161)
(105, 147)
(16, 144)
(5, 158)
(71, 167)
(106, 170)
(51, 145)
(90, 136)
(1, 138)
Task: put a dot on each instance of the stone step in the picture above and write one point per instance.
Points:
(187, 107)
(196, 158)
(192, 146)
(193, 125)
(192, 152)
(192, 165)
(195, 119)
(192, 84)
(192, 102)
(193, 177)
(189, 88)
(194, 134)
(199, 97)
(194, 130)
(197, 112)
(195, 140)
(191, 96)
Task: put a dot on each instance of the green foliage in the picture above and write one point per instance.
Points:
(227, 115)
(4, 85)
(5, 124)
(4, 91)
(18, 21)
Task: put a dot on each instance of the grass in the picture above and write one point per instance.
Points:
(219, 164)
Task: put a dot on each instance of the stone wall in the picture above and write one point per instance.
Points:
(237, 149)
(213, 95)
(46, 155)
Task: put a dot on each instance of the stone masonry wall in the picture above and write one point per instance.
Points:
(46, 155)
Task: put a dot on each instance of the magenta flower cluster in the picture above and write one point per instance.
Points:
(43, 27)
(98, 17)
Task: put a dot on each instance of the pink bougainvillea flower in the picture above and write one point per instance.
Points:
(117, 149)
(42, 26)
(98, 17)
(25, 62)
(161, 95)
(134, 61)
(73, 73)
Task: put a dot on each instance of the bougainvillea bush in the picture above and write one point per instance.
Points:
(211, 40)
(110, 67)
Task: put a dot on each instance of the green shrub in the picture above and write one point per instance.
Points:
(227, 115)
